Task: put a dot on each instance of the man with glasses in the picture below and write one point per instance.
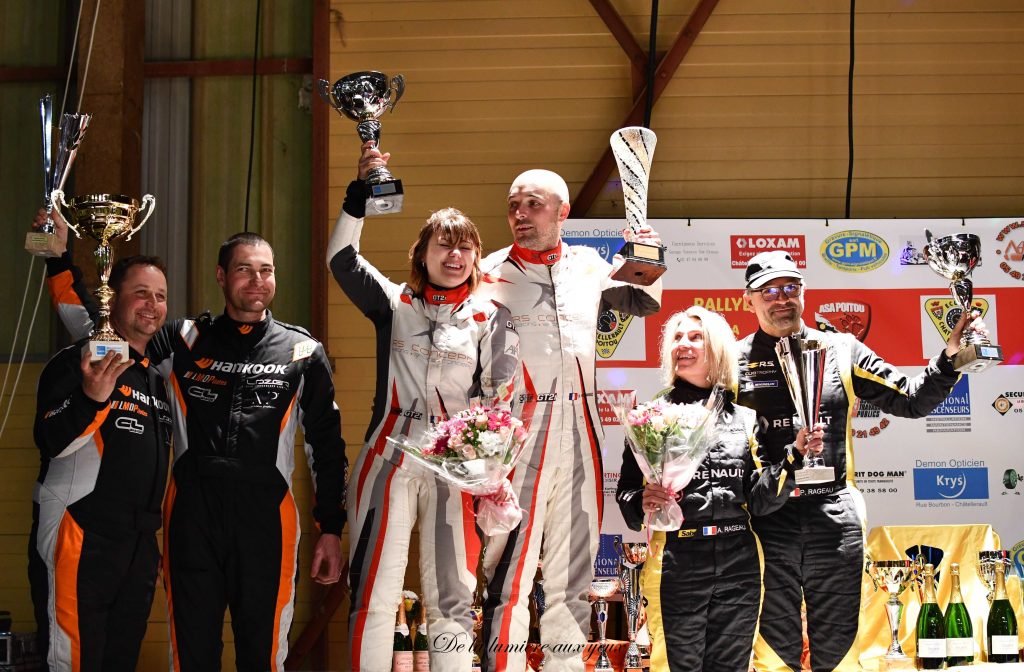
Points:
(814, 545)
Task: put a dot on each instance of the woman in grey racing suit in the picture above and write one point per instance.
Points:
(438, 348)
(702, 582)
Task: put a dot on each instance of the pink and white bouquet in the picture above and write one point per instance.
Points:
(670, 441)
(474, 451)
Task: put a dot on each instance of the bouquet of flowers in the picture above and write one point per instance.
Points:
(669, 442)
(474, 451)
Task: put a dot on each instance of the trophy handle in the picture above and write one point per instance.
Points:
(58, 203)
(323, 87)
(398, 86)
(147, 199)
(868, 568)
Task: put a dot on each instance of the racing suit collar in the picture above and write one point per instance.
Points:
(544, 258)
(683, 392)
(245, 331)
(439, 295)
(761, 336)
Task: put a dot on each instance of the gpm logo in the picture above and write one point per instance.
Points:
(854, 251)
(970, 483)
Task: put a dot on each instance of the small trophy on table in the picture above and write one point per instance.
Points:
(893, 576)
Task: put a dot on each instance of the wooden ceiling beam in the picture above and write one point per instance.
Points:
(662, 76)
(620, 31)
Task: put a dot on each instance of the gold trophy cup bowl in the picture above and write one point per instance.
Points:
(105, 218)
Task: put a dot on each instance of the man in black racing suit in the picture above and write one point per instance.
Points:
(240, 385)
(814, 544)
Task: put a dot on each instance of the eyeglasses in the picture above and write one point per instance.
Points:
(791, 290)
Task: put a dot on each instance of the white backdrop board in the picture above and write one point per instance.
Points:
(964, 463)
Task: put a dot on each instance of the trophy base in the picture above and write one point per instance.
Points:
(975, 358)
(644, 264)
(99, 349)
(901, 663)
(815, 475)
(43, 244)
(384, 198)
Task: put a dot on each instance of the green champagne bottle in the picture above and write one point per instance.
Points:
(420, 645)
(931, 627)
(401, 660)
(959, 631)
(1001, 633)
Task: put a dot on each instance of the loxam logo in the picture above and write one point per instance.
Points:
(854, 251)
(129, 424)
(241, 367)
(967, 483)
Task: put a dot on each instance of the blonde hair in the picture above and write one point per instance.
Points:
(719, 346)
(455, 227)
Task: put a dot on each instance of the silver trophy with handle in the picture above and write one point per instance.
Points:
(954, 258)
(364, 97)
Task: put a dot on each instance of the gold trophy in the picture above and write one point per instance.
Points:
(104, 218)
(893, 576)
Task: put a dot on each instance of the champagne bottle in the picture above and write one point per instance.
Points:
(420, 645)
(1001, 633)
(931, 627)
(959, 632)
(401, 660)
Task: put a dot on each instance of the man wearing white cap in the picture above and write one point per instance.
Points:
(814, 545)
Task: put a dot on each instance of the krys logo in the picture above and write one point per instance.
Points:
(854, 251)
(611, 325)
(968, 483)
(945, 312)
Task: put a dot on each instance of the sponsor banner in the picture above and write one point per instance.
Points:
(607, 561)
(866, 278)
(954, 413)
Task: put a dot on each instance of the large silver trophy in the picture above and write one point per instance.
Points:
(633, 148)
(105, 218)
(803, 365)
(600, 590)
(364, 97)
(43, 242)
(954, 257)
(893, 576)
(633, 558)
